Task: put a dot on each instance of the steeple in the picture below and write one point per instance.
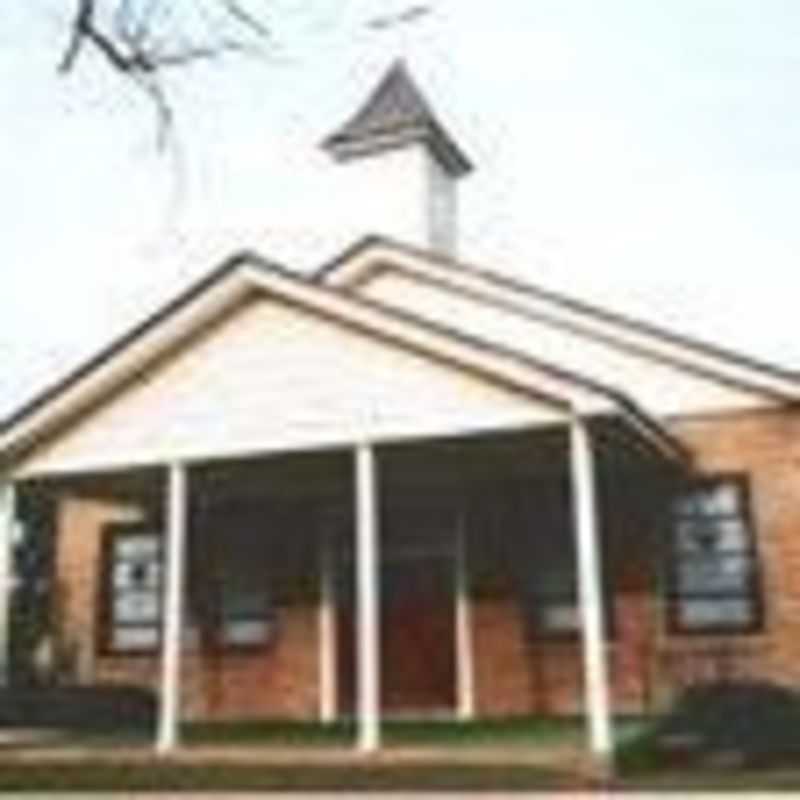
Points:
(403, 152)
(396, 114)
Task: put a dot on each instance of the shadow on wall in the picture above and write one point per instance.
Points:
(722, 725)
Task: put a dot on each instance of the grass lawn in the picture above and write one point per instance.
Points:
(165, 776)
(511, 732)
(445, 733)
(102, 776)
(636, 771)
(103, 773)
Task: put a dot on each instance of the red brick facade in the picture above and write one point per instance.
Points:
(648, 664)
(278, 681)
(513, 674)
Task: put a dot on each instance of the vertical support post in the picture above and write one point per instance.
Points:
(8, 513)
(172, 626)
(367, 600)
(465, 673)
(327, 631)
(590, 594)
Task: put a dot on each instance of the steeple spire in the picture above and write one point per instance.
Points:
(396, 114)
(402, 164)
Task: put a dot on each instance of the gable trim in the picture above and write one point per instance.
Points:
(581, 330)
(336, 271)
(122, 342)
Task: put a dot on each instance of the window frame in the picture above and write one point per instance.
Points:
(210, 574)
(112, 533)
(210, 627)
(219, 622)
(754, 594)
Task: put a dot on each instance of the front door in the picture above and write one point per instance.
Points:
(418, 651)
(418, 670)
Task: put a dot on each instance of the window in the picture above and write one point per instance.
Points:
(229, 602)
(133, 607)
(556, 601)
(713, 570)
(548, 569)
(245, 609)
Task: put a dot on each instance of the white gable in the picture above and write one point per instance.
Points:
(656, 385)
(272, 377)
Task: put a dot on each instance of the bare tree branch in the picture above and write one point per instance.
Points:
(246, 18)
(129, 40)
(165, 118)
(83, 20)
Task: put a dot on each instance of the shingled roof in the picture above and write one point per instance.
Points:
(396, 114)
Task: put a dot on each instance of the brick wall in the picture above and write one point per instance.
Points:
(766, 446)
(279, 681)
(515, 674)
(77, 580)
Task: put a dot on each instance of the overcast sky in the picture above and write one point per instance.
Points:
(640, 153)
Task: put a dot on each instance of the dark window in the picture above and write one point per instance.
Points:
(233, 579)
(246, 610)
(547, 565)
(134, 576)
(556, 600)
(232, 601)
(713, 569)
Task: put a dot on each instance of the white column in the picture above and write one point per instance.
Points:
(590, 593)
(464, 661)
(367, 601)
(327, 631)
(8, 511)
(175, 545)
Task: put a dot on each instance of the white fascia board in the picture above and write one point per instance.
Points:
(378, 256)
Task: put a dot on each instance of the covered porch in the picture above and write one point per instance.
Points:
(466, 578)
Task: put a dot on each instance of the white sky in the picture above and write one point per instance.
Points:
(639, 153)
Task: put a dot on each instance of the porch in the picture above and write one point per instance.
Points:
(451, 579)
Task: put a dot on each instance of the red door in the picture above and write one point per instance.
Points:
(417, 637)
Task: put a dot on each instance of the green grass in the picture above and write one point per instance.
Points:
(164, 776)
(511, 732)
(521, 731)
(103, 776)
(639, 767)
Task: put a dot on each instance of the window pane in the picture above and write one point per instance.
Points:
(137, 574)
(696, 613)
(558, 617)
(719, 499)
(139, 637)
(714, 573)
(139, 546)
(247, 631)
(702, 535)
(136, 607)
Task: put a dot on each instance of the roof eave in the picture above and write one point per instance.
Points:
(451, 157)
